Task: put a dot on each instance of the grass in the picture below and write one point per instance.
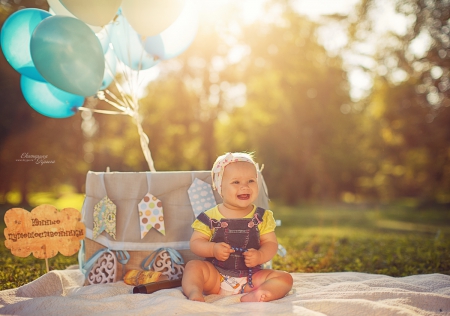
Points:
(395, 240)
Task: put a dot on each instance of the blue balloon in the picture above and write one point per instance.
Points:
(110, 69)
(49, 100)
(104, 37)
(177, 37)
(128, 46)
(15, 40)
(68, 55)
(155, 45)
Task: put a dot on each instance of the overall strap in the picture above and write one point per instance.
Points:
(205, 219)
(213, 223)
(258, 217)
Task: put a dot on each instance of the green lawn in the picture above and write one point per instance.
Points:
(395, 240)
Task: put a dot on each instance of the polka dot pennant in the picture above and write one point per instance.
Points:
(201, 196)
(151, 215)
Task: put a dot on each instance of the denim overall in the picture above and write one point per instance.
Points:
(238, 233)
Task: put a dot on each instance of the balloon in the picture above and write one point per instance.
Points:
(15, 40)
(68, 55)
(151, 17)
(128, 46)
(104, 37)
(110, 69)
(177, 37)
(58, 9)
(48, 100)
(93, 12)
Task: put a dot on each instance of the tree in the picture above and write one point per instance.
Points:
(410, 100)
(183, 105)
(293, 118)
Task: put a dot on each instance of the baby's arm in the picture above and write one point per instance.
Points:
(201, 246)
(268, 249)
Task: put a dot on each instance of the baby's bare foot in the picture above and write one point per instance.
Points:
(257, 296)
(196, 296)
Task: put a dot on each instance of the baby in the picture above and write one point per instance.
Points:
(235, 237)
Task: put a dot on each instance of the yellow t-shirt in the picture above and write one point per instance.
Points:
(266, 226)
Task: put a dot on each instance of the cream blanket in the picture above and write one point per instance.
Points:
(344, 293)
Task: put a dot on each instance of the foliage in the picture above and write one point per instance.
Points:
(292, 118)
(268, 87)
(409, 103)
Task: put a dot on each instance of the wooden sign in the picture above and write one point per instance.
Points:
(44, 231)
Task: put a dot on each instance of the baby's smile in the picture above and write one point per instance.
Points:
(243, 196)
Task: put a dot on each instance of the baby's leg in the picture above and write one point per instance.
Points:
(269, 285)
(200, 277)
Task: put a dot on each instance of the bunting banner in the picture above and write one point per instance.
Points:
(201, 196)
(151, 215)
(104, 218)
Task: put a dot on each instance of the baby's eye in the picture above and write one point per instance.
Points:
(235, 182)
(251, 181)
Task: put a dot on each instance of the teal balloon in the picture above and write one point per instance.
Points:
(15, 40)
(48, 100)
(68, 55)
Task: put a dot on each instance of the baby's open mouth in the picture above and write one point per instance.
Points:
(243, 196)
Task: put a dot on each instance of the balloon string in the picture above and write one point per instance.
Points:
(140, 62)
(101, 96)
(131, 111)
(116, 83)
(112, 95)
(110, 72)
(101, 111)
(129, 104)
(125, 99)
(144, 143)
(114, 77)
(125, 110)
(128, 75)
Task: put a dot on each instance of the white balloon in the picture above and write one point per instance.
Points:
(93, 12)
(56, 8)
(177, 37)
(151, 17)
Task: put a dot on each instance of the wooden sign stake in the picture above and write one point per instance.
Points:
(46, 265)
(46, 259)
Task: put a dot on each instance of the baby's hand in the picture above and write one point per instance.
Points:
(222, 251)
(252, 257)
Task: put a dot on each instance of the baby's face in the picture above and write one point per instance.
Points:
(239, 185)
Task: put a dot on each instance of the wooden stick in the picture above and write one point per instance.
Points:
(156, 286)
